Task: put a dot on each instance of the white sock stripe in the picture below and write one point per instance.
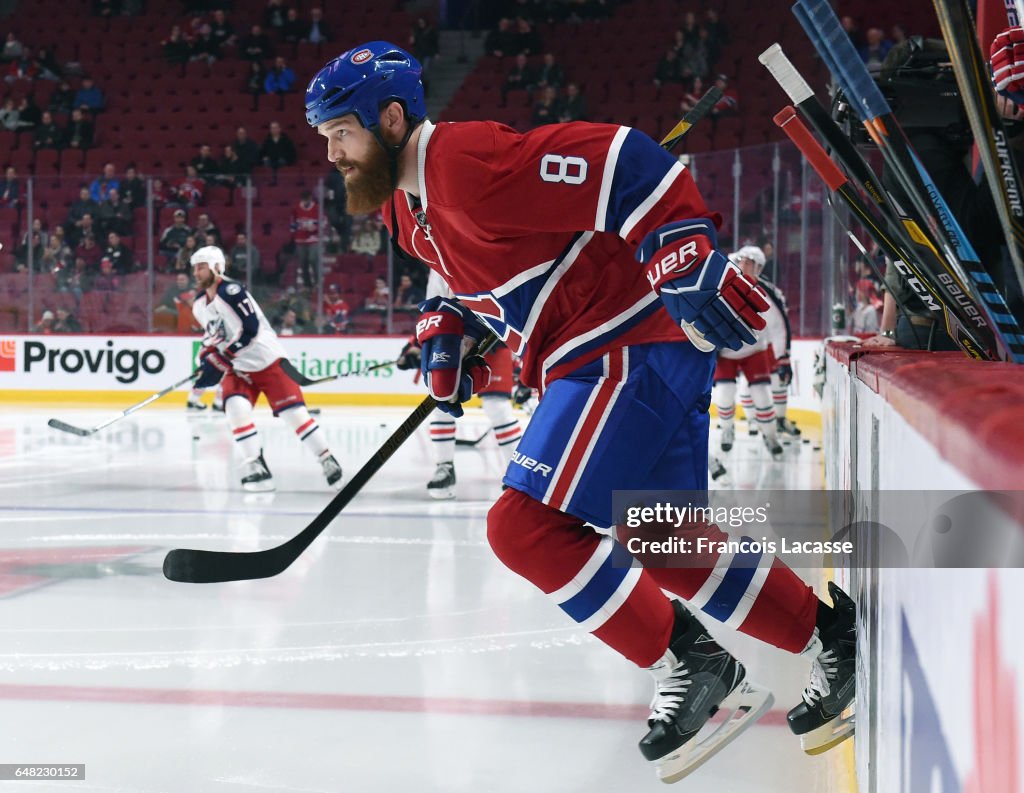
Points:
(746, 603)
(582, 578)
(713, 581)
(614, 603)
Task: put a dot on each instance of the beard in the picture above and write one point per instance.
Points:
(370, 185)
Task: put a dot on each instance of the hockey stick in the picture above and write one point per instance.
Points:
(57, 424)
(695, 114)
(975, 81)
(972, 279)
(304, 381)
(197, 566)
(839, 184)
(468, 442)
(898, 234)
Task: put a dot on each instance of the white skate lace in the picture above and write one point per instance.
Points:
(669, 695)
(822, 670)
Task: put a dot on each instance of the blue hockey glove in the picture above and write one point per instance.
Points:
(450, 379)
(701, 288)
(213, 365)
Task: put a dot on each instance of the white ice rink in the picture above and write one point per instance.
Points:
(397, 654)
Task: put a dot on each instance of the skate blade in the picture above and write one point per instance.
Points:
(259, 487)
(744, 706)
(831, 734)
(442, 493)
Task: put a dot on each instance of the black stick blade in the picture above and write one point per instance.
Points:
(193, 566)
(57, 424)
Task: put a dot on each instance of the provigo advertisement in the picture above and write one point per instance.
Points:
(59, 363)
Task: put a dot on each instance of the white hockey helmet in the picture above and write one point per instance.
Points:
(752, 252)
(214, 258)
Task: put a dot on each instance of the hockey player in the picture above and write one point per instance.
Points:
(779, 335)
(587, 249)
(240, 348)
(755, 361)
(496, 397)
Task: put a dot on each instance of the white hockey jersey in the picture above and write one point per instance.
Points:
(234, 322)
(774, 333)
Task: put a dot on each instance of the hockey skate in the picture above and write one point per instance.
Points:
(697, 680)
(771, 443)
(256, 477)
(826, 715)
(728, 437)
(194, 405)
(218, 407)
(332, 470)
(442, 484)
(787, 427)
(715, 468)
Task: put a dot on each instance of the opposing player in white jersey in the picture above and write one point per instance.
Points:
(240, 347)
(779, 335)
(496, 399)
(755, 360)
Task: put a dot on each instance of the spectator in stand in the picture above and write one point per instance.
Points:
(866, 311)
(317, 31)
(174, 236)
(79, 132)
(10, 188)
(295, 299)
(57, 255)
(62, 99)
(66, 322)
(9, 117)
(176, 48)
(502, 41)
(408, 296)
(162, 194)
(367, 237)
(520, 78)
(89, 96)
(528, 40)
(22, 68)
(115, 215)
(550, 73)
(177, 301)
(106, 280)
(716, 28)
(222, 31)
(22, 252)
(380, 297)
(191, 189)
(242, 256)
(274, 15)
(229, 168)
(75, 279)
(256, 46)
(424, 44)
(853, 31)
(45, 324)
(204, 46)
(875, 49)
(203, 162)
(182, 261)
(86, 227)
(335, 206)
(77, 211)
(89, 251)
(897, 35)
(101, 186)
(574, 105)
(37, 228)
(693, 56)
(335, 311)
(277, 150)
(693, 95)
(47, 134)
(690, 28)
(254, 82)
(729, 104)
(280, 79)
(305, 227)
(288, 325)
(29, 114)
(247, 150)
(133, 189)
(120, 254)
(47, 65)
(547, 109)
(207, 232)
(12, 48)
(669, 70)
(293, 28)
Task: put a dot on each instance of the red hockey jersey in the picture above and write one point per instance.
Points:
(536, 233)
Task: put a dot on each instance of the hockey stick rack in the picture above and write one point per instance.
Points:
(199, 566)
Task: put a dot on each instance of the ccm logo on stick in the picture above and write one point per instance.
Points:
(530, 464)
(674, 264)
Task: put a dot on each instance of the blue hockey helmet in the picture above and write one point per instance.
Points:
(361, 80)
